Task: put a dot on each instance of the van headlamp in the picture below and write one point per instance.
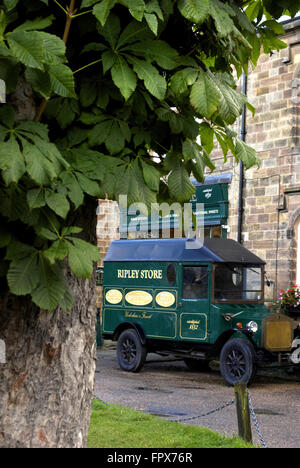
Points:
(252, 326)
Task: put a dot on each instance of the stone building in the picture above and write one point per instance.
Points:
(261, 206)
(270, 224)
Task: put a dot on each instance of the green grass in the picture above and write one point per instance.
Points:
(119, 427)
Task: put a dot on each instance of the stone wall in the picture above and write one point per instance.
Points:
(108, 219)
(271, 194)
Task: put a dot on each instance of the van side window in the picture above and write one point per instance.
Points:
(171, 274)
(195, 282)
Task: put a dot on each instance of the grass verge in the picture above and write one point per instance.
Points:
(118, 427)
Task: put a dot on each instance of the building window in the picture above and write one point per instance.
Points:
(213, 231)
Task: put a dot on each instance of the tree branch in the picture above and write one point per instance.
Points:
(60, 6)
(88, 65)
(70, 11)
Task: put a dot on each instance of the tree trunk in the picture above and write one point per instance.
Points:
(46, 384)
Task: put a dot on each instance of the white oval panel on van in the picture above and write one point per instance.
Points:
(113, 296)
(165, 299)
(138, 298)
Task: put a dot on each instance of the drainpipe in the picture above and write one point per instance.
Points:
(243, 134)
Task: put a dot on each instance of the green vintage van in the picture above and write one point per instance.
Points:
(194, 301)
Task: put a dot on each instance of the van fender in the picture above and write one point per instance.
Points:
(218, 345)
(137, 327)
(229, 334)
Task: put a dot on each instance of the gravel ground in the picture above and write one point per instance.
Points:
(168, 389)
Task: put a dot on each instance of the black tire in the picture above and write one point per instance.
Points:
(131, 354)
(297, 372)
(237, 362)
(197, 365)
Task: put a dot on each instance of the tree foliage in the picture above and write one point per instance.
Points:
(113, 81)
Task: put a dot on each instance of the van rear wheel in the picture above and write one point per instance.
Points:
(131, 354)
(237, 362)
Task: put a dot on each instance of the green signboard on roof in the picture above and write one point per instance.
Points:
(209, 202)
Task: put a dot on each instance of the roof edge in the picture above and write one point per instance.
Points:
(291, 24)
(212, 250)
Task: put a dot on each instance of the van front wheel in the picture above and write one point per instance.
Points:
(131, 354)
(237, 363)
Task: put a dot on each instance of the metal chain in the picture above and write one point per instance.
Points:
(205, 414)
(255, 422)
(185, 419)
(226, 405)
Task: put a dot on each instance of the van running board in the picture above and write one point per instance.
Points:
(183, 354)
(193, 355)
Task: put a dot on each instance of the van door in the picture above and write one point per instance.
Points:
(195, 303)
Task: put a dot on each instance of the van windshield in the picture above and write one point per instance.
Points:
(238, 283)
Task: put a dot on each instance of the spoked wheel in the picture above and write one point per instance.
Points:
(131, 354)
(237, 362)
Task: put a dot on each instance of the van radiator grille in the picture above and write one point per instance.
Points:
(278, 336)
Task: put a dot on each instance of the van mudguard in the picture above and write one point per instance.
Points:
(125, 325)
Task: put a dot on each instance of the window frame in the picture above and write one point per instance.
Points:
(238, 301)
(191, 265)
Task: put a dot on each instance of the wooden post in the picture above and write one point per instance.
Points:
(243, 412)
